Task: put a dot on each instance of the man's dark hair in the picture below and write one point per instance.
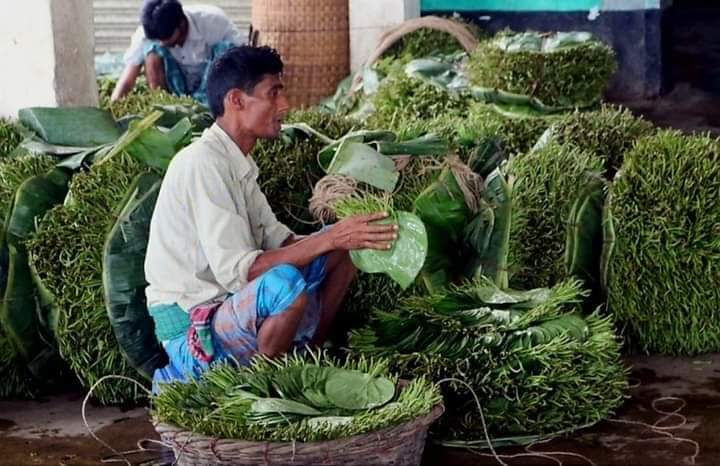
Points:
(240, 68)
(160, 18)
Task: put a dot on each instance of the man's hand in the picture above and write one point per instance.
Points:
(359, 232)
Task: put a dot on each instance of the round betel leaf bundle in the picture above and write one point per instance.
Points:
(564, 69)
(67, 255)
(547, 183)
(664, 264)
(608, 133)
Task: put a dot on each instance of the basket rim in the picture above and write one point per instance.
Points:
(423, 421)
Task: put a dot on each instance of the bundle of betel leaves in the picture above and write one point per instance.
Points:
(10, 136)
(662, 244)
(561, 70)
(307, 399)
(66, 255)
(403, 98)
(531, 357)
(18, 381)
(548, 181)
(141, 100)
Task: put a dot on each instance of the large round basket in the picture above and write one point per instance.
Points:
(313, 38)
(401, 445)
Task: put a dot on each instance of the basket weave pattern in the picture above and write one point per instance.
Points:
(400, 445)
(313, 38)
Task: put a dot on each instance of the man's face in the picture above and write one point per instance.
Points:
(265, 108)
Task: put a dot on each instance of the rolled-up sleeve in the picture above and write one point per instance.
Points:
(222, 225)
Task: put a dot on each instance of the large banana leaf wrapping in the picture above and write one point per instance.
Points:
(21, 315)
(124, 277)
(71, 126)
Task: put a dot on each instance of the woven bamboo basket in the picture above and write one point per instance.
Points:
(400, 445)
(313, 38)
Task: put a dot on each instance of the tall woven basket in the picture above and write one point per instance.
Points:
(313, 39)
(401, 445)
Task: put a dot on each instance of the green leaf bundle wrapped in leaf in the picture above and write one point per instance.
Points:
(294, 399)
(547, 183)
(124, 277)
(565, 69)
(533, 361)
(66, 254)
(664, 268)
(71, 126)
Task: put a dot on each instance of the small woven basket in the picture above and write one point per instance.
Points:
(313, 38)
(400, 445)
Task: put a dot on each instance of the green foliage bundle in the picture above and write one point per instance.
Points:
(663, 244)
(533, 361)
(140, 101)
(10, 136)
(568, 74)
(66, 254)
(608, 133)
(295, 398)
(427, 42)
(547, 183)
(402, 100)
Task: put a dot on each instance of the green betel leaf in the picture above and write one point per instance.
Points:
(280, 405)
(156, 148)
(326, 155)
(71, 126)
(355, 390)
(365, 164)
(407, 256)
(124, 277)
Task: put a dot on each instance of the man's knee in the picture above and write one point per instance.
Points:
(340, 262)
(280, 288)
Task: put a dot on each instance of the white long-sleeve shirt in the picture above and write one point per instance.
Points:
(207, 25)
(210, 223)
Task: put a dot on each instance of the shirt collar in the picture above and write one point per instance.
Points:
(245, 164)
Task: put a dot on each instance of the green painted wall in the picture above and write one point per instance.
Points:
(540, 5)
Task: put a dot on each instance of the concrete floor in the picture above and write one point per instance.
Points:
(51, 432)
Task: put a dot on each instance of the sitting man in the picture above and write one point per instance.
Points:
(176, 46)
(227, 280)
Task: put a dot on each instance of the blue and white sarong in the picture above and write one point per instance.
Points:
(234, 325)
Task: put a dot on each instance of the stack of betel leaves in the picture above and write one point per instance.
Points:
(74, 273)
(309, 398)
(662, 244)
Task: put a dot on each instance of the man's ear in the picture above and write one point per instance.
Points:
(236, 99)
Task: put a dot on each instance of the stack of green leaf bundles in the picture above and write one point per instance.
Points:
(295, 398)
(664, 267)
(532, 359)
(66, 254)
(560, 70)
(140, 101)
(17, 380)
